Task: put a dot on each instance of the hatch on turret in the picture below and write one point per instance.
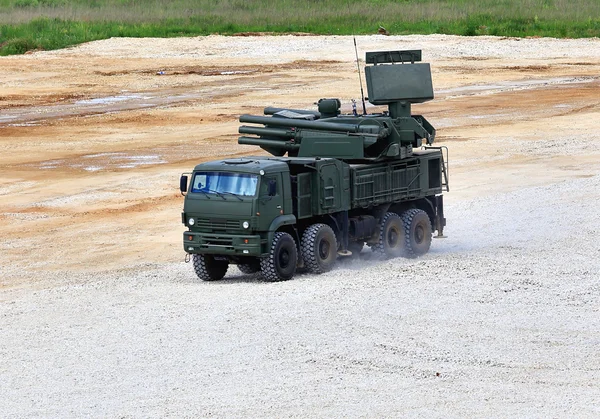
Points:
(237, 161)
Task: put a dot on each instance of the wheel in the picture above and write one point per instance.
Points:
(417, 232)
(281, 263)
(319, 248)
(208, 268)
(391, 236)
(249, 268)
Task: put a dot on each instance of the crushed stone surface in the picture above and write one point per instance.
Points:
(499, 319)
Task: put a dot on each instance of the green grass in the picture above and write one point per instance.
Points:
(52, 24)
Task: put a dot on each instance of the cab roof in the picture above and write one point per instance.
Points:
(254, 164)
(244, 164)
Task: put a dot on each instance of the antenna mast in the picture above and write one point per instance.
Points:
(362, 93)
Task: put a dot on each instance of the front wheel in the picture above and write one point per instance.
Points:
(208, 268)
(280, 264)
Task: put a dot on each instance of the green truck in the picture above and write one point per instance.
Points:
(331, 184)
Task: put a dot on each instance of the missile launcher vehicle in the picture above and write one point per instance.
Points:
(332, 184)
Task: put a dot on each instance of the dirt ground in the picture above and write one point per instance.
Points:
(93, 138)
(100, 316)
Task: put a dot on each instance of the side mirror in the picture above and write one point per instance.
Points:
(272, 188)
(183, 183)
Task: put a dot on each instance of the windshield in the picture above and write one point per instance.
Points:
(241, 184)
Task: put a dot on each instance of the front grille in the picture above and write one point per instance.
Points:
(218, 224)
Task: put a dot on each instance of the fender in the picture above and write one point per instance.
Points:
(430, 210)
(281, 220)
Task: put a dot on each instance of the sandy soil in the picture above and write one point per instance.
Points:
(99, 311)
(95, 136)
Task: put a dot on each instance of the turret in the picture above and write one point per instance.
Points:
(394, 78)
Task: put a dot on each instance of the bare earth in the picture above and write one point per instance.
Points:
(99, 315)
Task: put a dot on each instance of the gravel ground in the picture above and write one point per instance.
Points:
(278, 49)
(500, 319)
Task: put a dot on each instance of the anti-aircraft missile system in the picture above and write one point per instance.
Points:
(325, 133)
(347, 181)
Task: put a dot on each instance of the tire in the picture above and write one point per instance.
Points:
(249, 268)
(281, 263)
(319, 248)
(208, 268)
(417, 232)
(391, 237)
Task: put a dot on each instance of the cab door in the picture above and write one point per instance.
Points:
(270, 197)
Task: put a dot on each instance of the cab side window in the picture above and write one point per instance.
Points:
(269, 186)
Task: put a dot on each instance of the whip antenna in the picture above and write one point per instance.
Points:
(362, 93)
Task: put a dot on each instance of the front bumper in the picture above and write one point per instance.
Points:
(222, 244)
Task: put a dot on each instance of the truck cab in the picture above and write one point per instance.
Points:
(232, 208)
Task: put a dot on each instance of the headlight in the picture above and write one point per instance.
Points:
(245, 224)
(191, 221)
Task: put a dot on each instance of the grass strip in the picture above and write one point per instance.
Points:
(51, 24)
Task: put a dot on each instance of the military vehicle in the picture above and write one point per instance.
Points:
(346, 181)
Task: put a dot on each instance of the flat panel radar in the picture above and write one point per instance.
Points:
(394, 76)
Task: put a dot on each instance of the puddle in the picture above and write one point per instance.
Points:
(493, 115)
(104, 161)
(15, 187)
(25, 124)
(81, 198)
(25, 116)
(135, 161)
(229, 73)
(95, 156)
(111, 99)
(51, 164)
(24, 216)
(511, 85)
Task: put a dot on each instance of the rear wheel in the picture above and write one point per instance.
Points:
(208, 268)
(391, 237)
(319, 248)
(281, 263)
(417, 232)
